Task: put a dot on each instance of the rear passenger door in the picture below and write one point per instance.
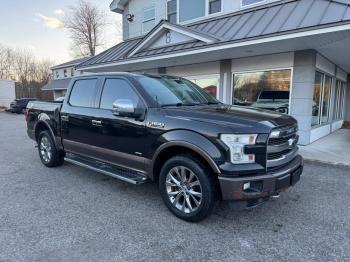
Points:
(78, 112)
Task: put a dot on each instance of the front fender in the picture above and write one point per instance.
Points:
(193, 141)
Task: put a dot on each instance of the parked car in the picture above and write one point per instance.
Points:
(140, 128)
(273, 100)
(19, 105)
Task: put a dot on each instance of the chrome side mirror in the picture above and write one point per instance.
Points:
(123, 107)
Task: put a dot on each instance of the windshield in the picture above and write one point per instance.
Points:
(174, 91)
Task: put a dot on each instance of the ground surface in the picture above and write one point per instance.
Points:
(71, 214)
(334, 148)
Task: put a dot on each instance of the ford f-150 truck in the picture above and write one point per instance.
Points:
(139, 127)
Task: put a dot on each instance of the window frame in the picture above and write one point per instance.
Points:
(252, 5)
(93, 102)
(206, 15)
(265, 70)
(102, 85)
(320, 123)
(202, 77)
(176, 12)
(148, 20)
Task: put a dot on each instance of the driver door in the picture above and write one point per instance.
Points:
(120, 140)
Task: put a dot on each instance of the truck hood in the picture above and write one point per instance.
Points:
(237, 117)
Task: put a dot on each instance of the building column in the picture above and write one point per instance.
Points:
(302, 92)
(225, 81)
(347, 102)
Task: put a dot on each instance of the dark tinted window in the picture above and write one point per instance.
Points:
(83, 93)
(117, 89)
(214, 6)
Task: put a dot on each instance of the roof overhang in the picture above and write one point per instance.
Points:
(331, 41)
(61, 84)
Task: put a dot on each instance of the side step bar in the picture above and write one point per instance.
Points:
(107, 169)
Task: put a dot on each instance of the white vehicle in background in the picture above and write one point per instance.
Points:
(277, 101)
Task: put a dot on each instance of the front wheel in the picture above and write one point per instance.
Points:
(49, 155)
(187, 188)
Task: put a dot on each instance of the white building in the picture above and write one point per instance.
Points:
(61, 76)
(237, 49)
(7, 92)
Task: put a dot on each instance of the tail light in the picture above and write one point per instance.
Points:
(26, 114)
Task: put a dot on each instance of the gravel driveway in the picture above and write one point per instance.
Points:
(72, 214)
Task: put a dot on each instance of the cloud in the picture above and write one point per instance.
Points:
(50, 22)
(59, 12)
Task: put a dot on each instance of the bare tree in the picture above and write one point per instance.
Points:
(86, 23)
(6, 62)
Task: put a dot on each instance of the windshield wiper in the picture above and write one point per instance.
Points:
(180, 104)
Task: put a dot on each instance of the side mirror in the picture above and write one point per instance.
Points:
(124, 108)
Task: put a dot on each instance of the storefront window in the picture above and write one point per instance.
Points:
(326, 99)
(316, 103)
(266, 89)
(209, 84)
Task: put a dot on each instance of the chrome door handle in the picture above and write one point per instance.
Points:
(96, 123)
(65, 118)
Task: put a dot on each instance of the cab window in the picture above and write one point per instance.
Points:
(83, 93)
(117, 89)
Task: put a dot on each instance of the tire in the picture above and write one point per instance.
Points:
(48, 153)
(197, 190)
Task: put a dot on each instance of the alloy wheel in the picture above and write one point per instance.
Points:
(45, 149)
(184, 189)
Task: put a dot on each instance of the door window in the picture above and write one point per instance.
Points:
(117, 89)
(83, 93)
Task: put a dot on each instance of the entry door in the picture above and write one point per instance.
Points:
(77, 116)
(121, 140)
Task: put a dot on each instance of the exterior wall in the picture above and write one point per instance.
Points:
(58, 93)
(136, 7)
(7, 92)
(209, 68)
(302, 92)
(61, 73)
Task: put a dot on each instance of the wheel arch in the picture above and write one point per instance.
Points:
(172, 148)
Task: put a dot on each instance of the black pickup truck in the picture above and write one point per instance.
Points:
(138, 127)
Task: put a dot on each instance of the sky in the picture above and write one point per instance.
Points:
(38, 25)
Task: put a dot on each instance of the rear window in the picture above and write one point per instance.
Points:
(83, 93)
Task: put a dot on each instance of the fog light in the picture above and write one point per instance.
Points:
(246, 186)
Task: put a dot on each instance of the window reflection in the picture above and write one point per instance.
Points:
(210, 85)
(266, 89)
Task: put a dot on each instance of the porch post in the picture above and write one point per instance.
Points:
(225, 81)
(347, 102)
(302, 92)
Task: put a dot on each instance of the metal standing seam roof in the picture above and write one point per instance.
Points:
(263, 21)
(70, 63)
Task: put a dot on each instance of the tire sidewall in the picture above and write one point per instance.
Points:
(206, 180)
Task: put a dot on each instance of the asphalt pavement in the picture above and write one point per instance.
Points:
(73, 214)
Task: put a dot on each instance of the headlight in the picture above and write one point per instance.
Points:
(236, 144)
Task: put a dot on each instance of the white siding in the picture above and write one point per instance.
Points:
(209, 68)
(325, 65)
(7, 92)
(136, 8)
(283, 60)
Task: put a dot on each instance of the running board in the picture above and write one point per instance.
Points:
(107, 169)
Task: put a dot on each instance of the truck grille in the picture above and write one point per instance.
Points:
(282, 149)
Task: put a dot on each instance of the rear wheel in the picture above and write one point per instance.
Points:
(49, 155)
(187, 188)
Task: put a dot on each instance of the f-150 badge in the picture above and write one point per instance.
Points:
(156, 124)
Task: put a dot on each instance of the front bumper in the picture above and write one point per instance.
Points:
(261, 186)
